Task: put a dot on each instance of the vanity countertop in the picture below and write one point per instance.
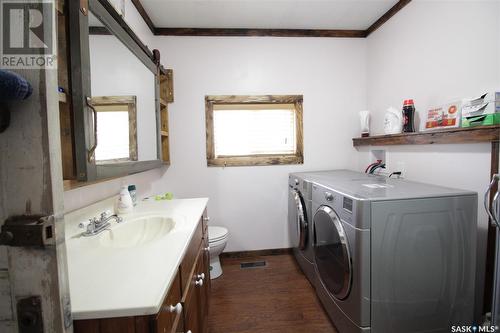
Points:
(127, 281)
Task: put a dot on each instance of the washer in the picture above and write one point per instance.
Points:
(299, 222)
(392, 255)
(300, 213)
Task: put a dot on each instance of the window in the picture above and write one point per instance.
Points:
(254, 130)
(116, 129)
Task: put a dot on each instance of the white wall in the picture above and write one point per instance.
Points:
(252, 201)
(435, 52)
(116, 71)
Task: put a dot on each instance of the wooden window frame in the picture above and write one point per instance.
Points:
(131, 103)
(258, 159)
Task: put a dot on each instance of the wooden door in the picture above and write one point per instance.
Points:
(31, 186)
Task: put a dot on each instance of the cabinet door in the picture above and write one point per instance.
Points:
(170, 316)
(191, 307)
(204, 291)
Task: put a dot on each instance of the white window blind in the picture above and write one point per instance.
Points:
(254, 129)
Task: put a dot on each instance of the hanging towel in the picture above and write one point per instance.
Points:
(13, 86)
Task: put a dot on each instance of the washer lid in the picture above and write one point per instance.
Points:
(216, 233)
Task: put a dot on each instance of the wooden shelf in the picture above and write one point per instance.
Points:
(446, 136)
(163, 102)
(164, 133)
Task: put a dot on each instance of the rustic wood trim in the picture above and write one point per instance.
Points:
(131, 103)
(167, 80)
(260, 32)
(384, 18)
(244, 32)
(65, 100)
(113, 100)
(166, 95)
(209, 125)
(257, 253)
(254, 99)
(299, 132)
(144, 15)
(260, 159)
(255, 160)
(445, 136)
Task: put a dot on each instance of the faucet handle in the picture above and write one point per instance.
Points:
(105, 214)
(89, 225)
(83, 225)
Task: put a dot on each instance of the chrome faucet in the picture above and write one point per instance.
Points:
(96, 225)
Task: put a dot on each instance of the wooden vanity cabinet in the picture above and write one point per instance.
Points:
(168, 320)
(197, 292)
(206, 289)
(186, 290)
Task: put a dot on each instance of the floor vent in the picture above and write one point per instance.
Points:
(253, 264)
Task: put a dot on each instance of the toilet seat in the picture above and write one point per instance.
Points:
(216, 234)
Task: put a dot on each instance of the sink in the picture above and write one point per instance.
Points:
(137, 232)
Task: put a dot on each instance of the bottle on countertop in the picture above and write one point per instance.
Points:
(133, 193)
(125, 204)
(408, 116)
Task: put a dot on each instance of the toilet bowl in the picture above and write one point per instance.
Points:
(217, 238)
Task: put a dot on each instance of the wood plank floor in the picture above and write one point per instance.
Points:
(274, 299)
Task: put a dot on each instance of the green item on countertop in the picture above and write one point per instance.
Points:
(481, 120)
(166, 196)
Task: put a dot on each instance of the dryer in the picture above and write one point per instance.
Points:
(393, 255)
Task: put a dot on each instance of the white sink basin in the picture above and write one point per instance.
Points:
(137, 232)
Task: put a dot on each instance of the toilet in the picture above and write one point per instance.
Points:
(217, 239)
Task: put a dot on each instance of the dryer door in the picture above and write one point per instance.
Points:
(299, 226)
(331, 252)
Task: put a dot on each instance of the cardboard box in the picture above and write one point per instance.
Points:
(444, 116)
(483, 120)
(484, 110)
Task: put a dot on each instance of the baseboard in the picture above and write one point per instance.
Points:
(256, 253)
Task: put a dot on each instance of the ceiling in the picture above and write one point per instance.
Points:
(265, 14)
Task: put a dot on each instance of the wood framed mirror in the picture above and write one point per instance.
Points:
(115, 94)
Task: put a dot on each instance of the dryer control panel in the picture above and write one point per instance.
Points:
(348, 209)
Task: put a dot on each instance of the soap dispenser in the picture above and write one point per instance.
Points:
(125, 203)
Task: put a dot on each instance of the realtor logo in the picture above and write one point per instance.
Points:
(27, 34)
